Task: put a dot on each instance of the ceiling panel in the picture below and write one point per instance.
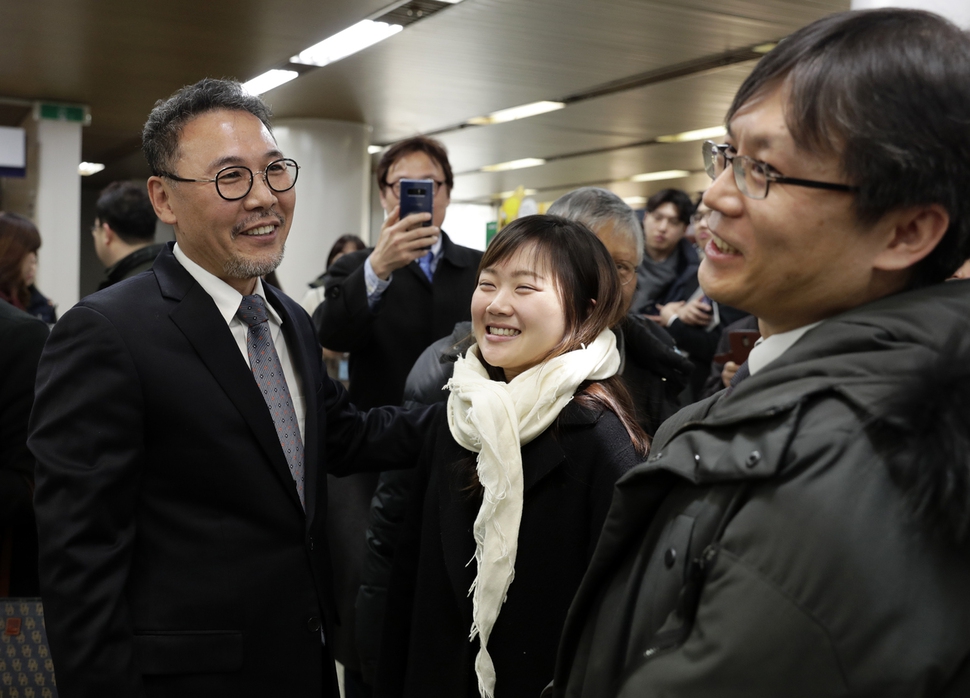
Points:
(467, 60)
(484, 55)
(694, 102)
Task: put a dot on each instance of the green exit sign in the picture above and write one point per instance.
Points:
(64, 112)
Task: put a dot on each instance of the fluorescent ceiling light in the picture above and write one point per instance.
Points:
(374, 149)
(764, 48)
(513, 113)
(268, 80)
(514, 165)
(451, 2)
(654, 176)
(635, 200)
(698, 135)
(342, 44)
(86, 169)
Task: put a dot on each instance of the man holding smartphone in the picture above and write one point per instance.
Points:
(385, 305)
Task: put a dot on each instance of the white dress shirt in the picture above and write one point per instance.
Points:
(227, 300)
(767, 349)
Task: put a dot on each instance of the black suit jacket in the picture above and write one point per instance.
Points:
(413, 313)
(22, 338)
(176, 559)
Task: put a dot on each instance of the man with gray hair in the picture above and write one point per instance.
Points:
(183, 428)
(651, 369)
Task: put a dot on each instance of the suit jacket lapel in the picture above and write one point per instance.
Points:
(199, 320)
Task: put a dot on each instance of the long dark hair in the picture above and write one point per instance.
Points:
(18, 238)
(341, 243)
(589, 290)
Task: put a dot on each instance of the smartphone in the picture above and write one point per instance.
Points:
(742, 342)
(417, 196)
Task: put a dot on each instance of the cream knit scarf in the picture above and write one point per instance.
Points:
(495, 419)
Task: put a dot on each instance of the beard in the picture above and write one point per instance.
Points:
(247, 268)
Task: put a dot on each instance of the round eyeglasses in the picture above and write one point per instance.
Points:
(395, 188)
(753, 176)
(626, 271)
(235, 182)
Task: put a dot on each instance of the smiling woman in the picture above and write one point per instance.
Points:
(536, 414)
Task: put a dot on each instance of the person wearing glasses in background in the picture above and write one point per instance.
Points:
(182, 427)
(814, 533)
(384, 305)
(387, 303)
(694, 321)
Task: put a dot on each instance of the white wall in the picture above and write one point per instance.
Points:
(465, 223)
(57, 212)
(957, 11)
(332, 193)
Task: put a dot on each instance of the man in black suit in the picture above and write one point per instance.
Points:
(182, 428)
(23, 339)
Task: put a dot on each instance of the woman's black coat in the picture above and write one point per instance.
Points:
(569, 472)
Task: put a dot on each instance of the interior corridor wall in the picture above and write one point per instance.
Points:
(332, 193)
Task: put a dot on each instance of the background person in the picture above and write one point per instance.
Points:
(337, 362)
(23, 339)
(699, 224)
(343, 245)
(19, 243)
(124, 232)
(668, 271)
(538, 400)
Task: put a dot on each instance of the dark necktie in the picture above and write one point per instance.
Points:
(268, 373)
(742, 373)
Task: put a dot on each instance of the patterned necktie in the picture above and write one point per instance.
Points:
(425, 264)
(268, 373)
(739, 375)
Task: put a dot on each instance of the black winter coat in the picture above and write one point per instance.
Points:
(807, 535)
(651, 369)
(570, 470)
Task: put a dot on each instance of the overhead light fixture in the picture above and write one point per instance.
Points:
(268, 80)
(347, 42)
(698, 135)
(374, 149)
(451, 2)
(514, 165)
(635, 200)
(764, 48)
(86, 169)
(513, 113)
(655, 176)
